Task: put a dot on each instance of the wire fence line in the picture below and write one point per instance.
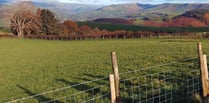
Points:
(164, 83)
(145, 89)
(161, 65)
(86, 93)
(93, 95)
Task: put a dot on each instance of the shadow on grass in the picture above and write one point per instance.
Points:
(82, 87)
(85, 92)
(90, 77)
(40, 98)
(93, 76)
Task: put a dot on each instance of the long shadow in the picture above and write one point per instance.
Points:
(99, 82)
(93, 76)
(40, 98)
(85, 92)
(80, 87)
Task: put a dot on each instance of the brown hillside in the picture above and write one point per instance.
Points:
(152, 23)
(185, 21)
(177, 22)
(114, 21)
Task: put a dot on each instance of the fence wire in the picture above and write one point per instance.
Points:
(93, 95)
(95, 91)
(174, 82)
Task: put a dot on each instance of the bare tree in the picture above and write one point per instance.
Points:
(22, 16)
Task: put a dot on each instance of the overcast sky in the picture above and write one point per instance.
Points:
(107, 2)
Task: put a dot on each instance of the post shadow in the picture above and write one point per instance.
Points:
(40, 98)
(80, 87)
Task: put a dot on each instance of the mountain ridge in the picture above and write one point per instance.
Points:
(134, 11)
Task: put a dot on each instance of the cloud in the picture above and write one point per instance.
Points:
(187, 1)
(107, 2)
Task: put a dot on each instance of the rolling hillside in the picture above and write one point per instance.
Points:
(62, 10)
(177, 22)
(65, 10)
(135, 10)
(114, 21)
(173, 9)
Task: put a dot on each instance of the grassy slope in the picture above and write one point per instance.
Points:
(36, 64)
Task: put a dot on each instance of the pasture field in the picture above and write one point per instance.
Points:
(39, 65)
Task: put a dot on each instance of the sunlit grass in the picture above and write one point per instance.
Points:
(38, 64)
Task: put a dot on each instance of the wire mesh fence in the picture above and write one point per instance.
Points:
(93, 95)
(174, 82)
(96, 91)
(147, 89)
(168, 83)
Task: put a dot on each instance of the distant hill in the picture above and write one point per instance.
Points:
(135, 10)
(197, 13)
(112, 11)
(65, 10)
(185, 21)
(175, 8)
(192, 18)
(114, 21)
(62, 10)
(155, 14)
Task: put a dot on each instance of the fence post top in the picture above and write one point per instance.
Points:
(199, 44)
(113, 52)
(111, 75)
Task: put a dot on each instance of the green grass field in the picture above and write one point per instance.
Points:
(37, 65)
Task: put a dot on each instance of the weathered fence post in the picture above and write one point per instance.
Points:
(124, 36)
(112, 88)
(206, 72)
(203, 71)
(116, 76)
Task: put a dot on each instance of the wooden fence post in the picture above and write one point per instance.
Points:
(203, 71)
(112, 88)
(116, 76)
(206, 73)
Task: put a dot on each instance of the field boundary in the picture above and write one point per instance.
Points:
(123, 35)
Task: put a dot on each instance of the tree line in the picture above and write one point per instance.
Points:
(28, 20)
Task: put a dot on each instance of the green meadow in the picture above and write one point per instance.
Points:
(38, 65)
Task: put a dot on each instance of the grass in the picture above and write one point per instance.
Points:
(37, 65)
